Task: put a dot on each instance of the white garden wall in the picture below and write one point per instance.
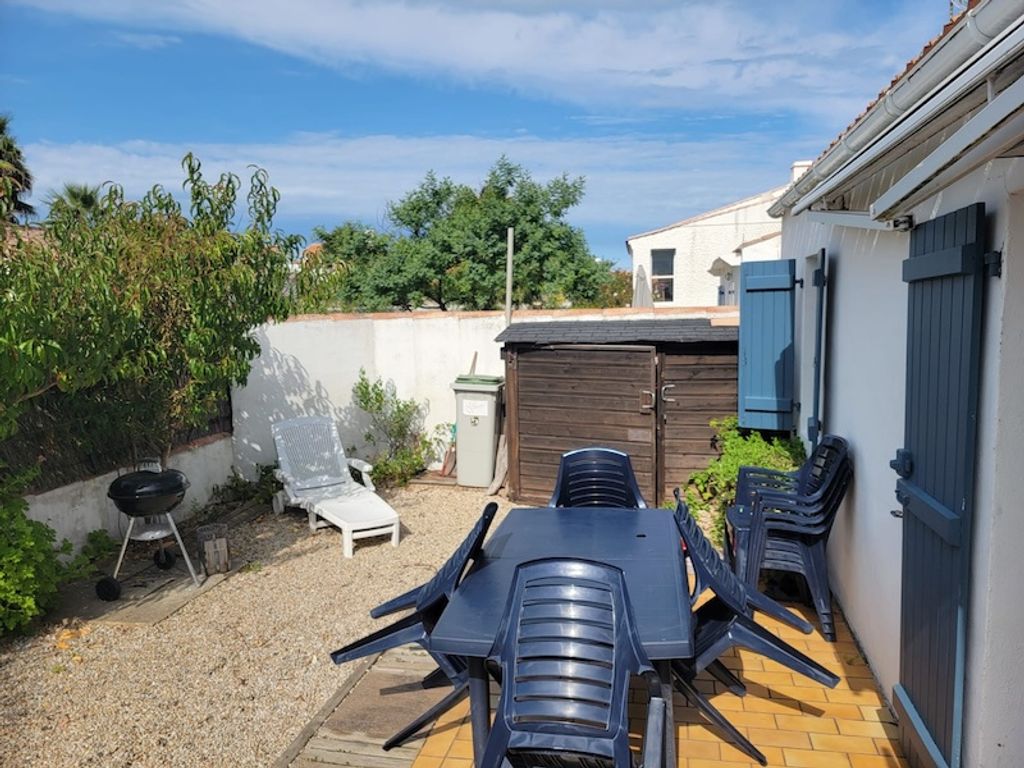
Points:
(76, 509)
(309, 364)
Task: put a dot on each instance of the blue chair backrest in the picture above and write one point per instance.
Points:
(568, 646)
(596, 477)
(712, 571)
(439, 590)
(822, 464)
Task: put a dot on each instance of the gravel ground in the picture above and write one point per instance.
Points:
(233, 676)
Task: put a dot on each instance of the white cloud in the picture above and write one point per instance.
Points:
(147, 41)
(810, 56)
(633, 183)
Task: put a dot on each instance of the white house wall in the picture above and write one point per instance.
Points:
(864, 401)
(766, 250)
(698, 243)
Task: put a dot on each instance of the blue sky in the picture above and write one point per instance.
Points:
(667, 108)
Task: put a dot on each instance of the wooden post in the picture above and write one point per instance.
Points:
(508, 276)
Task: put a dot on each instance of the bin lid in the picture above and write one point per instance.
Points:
(478, 383)
(475, 378)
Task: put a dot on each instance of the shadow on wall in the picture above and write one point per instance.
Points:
(280, 387)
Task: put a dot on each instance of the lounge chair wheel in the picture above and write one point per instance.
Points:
(164, 559)
(108, 589)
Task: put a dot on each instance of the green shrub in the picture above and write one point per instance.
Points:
(713, 490)
(98, 545)
(29, 566)
(237, 490)
(396, 431)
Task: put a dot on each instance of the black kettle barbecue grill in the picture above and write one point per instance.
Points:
(147, 497)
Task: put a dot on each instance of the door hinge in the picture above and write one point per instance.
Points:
(994, 264)
(903, 464)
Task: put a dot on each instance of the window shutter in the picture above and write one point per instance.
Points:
(766, 371)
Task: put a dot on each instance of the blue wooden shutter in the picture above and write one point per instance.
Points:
(766, 374)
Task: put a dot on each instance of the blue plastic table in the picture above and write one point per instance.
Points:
(643, 543)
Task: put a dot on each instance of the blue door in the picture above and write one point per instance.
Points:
(945, 280)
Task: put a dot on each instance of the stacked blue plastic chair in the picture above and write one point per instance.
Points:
(785, 520)
(568, 647)
(596, 477)
(429, 600)
(725, 622)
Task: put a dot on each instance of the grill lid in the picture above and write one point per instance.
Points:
(147, 485)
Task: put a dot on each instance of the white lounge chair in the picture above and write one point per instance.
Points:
(316, 477)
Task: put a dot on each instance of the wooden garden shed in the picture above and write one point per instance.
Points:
(646, 387)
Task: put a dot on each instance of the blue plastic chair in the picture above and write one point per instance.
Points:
(786, 528)
(568, 647)
(429, 601)
(596, 477)
(725, 622)
(806, 481)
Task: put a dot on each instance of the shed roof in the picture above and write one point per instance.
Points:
(679, 330)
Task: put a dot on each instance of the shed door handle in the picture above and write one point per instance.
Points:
(665, 389)
(646, 407)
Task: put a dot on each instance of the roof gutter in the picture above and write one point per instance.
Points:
(973, 31)
(980, 69)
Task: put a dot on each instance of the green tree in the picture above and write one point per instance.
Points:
(322, 281)
(617, 291)
(14, 175)
(449, 243)
(143, 314)
(83, 198)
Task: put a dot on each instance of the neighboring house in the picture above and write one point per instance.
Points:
(726, 267)
(918, 210)
(677, 260)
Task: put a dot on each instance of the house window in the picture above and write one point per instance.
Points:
(727, 289)
(662, 266)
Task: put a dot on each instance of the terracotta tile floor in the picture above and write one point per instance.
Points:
(794, 721)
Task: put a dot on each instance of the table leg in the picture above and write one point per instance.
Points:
(479, 706)
(664, 669)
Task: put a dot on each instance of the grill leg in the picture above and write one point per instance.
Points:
(184, 552)
(124, 545)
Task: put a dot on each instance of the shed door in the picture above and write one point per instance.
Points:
(572, 397)
(696, 388)
(936, 485)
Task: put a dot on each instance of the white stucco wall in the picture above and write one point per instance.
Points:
(702, 239)
(766, 250)
(308, 366)
(995, 680)
(864, 401)
(75, 510)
